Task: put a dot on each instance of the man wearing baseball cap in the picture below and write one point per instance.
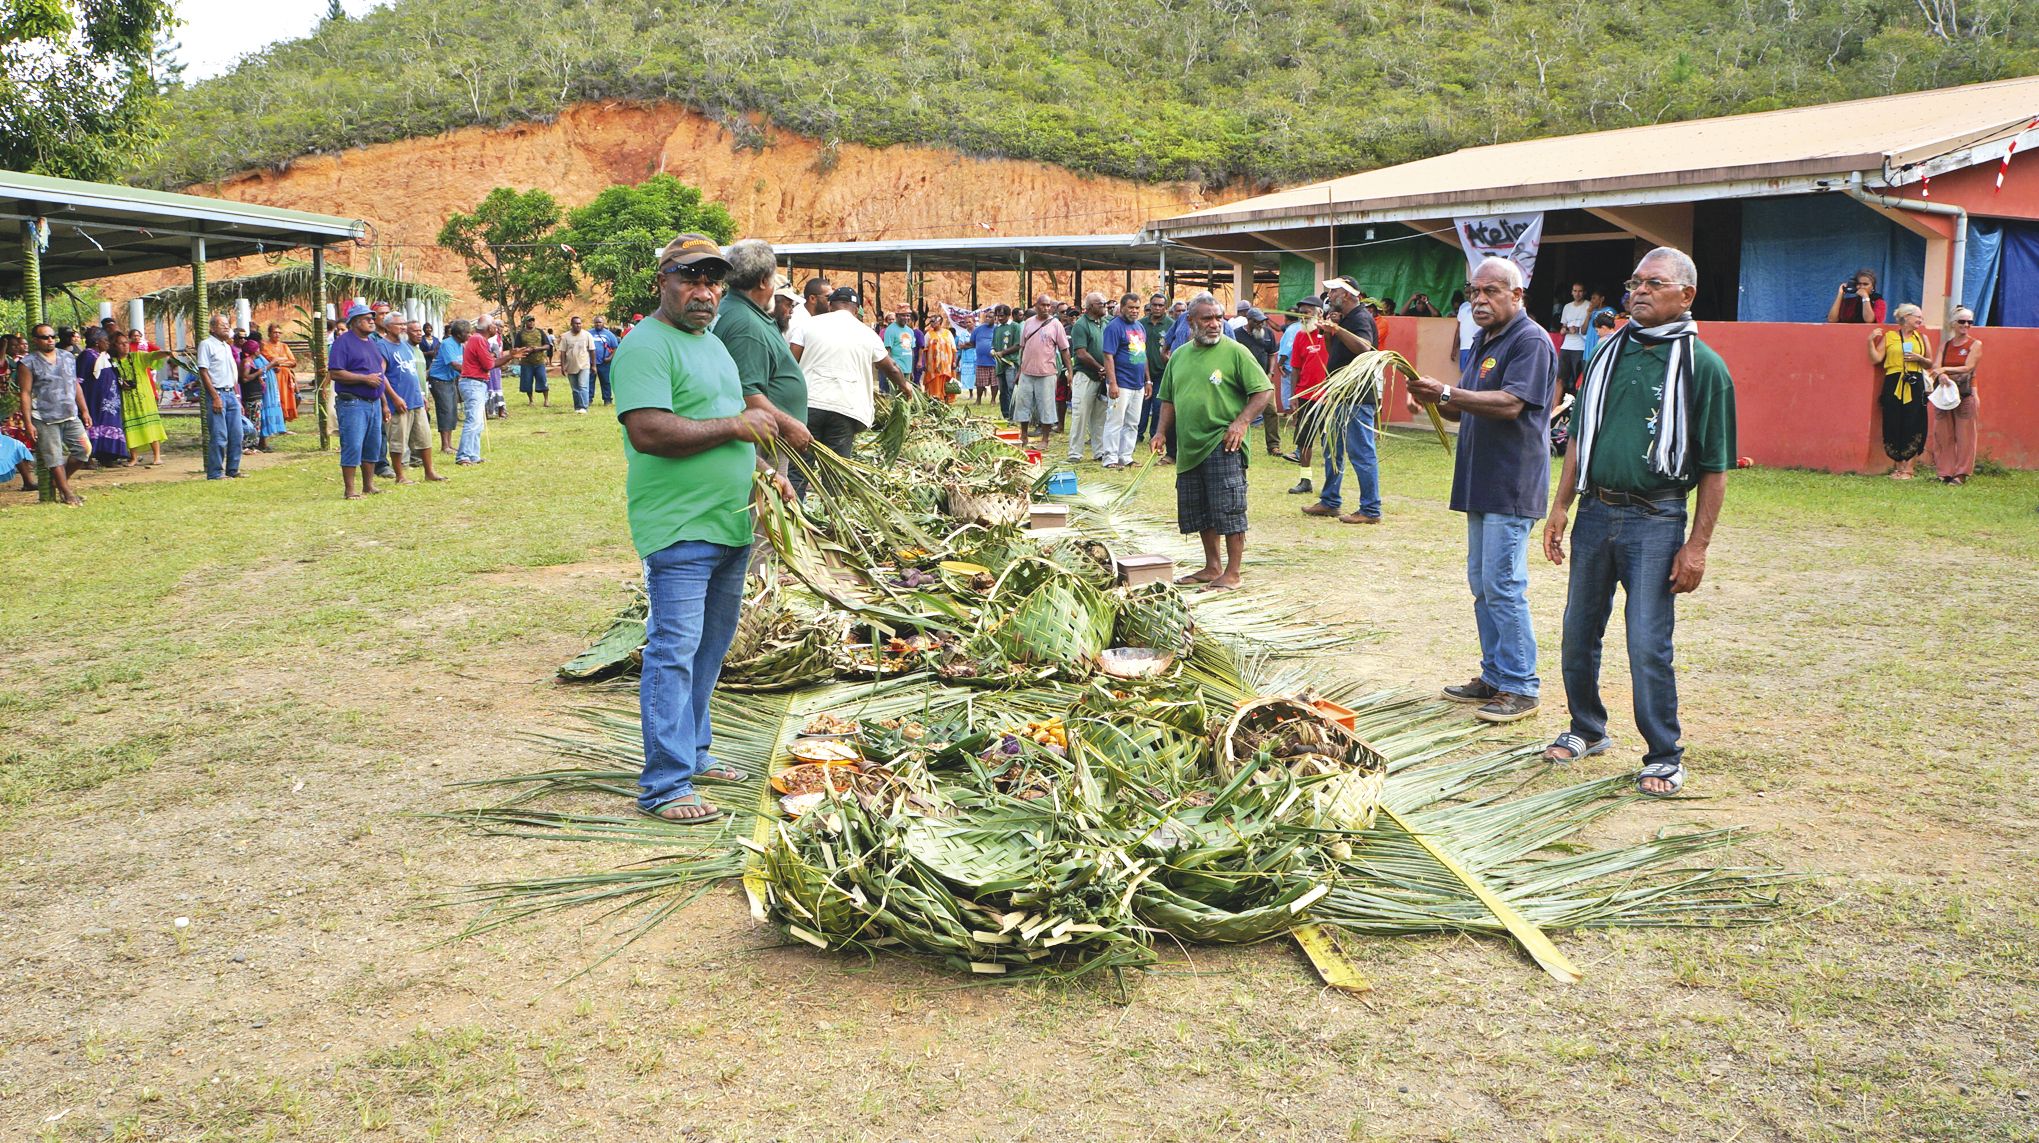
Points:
(360, 381)
(691, 446)
(1349, 333)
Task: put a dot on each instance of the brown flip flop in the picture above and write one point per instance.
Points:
(690, 810)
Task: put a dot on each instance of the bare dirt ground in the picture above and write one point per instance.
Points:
(266, 778)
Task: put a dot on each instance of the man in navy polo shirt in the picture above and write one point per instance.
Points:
(360, 378)
(1501, 481)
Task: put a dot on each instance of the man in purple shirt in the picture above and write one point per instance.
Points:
(360, 378)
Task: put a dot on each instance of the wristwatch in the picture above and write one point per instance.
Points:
(1444, 398)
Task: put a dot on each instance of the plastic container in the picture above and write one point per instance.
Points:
(1145, 567)
(1062, 484)
(1343, 716)
(1033, 456)
(1048, 516)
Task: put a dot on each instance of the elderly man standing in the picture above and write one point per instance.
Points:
(1655, 419)
(771, 378)
(1209, 395)
(360, 379)
(1501, 481)
(404, 427)
(1349, 333)
(577, 361)
(690, 443)
(1043, 340)
(1089, 403)
(219, 376)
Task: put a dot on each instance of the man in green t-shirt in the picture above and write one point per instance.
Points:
(1087, 398)
(1655, 419)
(1209, 395)
(1005, 346)
(691, 446)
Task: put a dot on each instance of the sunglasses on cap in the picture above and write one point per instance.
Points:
(712, 274)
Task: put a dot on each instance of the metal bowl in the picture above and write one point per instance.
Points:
(1133, 662)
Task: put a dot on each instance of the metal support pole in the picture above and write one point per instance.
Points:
(1165, 283)
(32, 316)
(201, 319)
(1026, 282)
(912, 296)
(973, 285)
(318, 345)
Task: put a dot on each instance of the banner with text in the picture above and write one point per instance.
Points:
(1511, 236)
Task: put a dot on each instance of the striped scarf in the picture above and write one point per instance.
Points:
(1670, 451)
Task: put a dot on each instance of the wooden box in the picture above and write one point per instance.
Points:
(1145, 567)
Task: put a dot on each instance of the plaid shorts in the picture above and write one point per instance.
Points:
(1212, 496)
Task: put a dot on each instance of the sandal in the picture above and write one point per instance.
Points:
(690, 810)
(1672, 772)
(1574, 747)
(722, 773)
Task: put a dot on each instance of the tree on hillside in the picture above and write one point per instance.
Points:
(512, 250)
(617, 237)
(59, 113)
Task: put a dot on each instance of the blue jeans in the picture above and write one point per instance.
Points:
(1497, 569)
(696, 588)
(1356, 442)
(360, 431)
(224, 431)
(583, 386)
(1632, 547)
(474, 400)
(602, 379)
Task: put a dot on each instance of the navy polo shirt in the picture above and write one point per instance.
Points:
(1504, 466)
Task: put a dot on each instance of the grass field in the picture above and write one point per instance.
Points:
(232, 702)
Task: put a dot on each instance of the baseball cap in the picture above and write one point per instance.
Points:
(842, 294)
(1345, 284)
(1255, 313)
(690, 250)
(358, 310)
(788, 293)
(1313, 301)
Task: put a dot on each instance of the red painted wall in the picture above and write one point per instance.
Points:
(1805, 395)
(1975, 189)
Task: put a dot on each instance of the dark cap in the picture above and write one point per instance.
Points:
(842, 294)
(692, 250)
(1313, 301)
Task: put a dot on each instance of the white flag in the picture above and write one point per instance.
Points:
(1511, 236)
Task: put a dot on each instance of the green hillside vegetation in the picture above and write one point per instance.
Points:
(1212, 91)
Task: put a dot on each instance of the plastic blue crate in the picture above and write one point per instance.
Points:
(1062, 484)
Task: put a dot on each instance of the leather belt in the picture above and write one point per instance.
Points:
(1616, 499)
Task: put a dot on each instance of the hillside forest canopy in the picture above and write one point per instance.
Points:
(1252, 92)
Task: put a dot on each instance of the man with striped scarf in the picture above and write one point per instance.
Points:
(1655, 419)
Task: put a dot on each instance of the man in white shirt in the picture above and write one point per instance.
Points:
(811, 303)
(1468, 329)
(219, 376)
(577, 361)
(842, 357)
(1572, 354)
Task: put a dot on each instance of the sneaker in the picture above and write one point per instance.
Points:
(1302, 488)
(1319, 509)
(1507, 708)
(1475, 691)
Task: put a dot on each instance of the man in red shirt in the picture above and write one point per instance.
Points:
(476, 362)
(1309, 359)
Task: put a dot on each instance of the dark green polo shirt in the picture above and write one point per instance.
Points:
(1088, 333)
(764, 361)
(1621, 447)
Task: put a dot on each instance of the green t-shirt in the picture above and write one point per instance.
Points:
(1005, 341)
(1087, 334)
(701, 497)
(1208, 385)
(1621, 446)
(763, 359)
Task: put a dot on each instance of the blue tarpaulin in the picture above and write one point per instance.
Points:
(1796, 250)
(2019, 285)
(1985, 261)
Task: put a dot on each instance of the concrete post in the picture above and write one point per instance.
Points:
(318, 345)
(200, 329)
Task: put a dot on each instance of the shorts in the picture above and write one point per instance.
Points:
(407, 430)
(985, 376)
(1212, 496)
(531, 379)
(54, 438)
(1033, 400)
(445, 403)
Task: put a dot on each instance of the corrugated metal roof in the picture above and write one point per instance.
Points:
(1000, 254)
(1794, 144)
(99, 230)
